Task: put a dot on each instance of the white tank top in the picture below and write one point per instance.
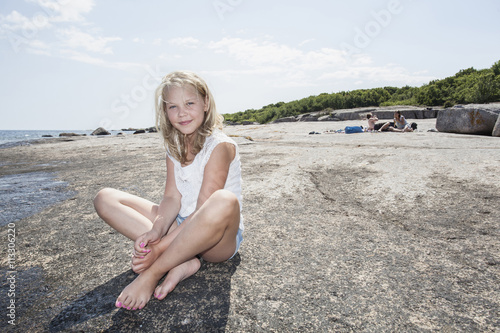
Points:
(188, 179)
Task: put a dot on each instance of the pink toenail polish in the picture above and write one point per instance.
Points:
(142, 257)
(118, 304)
(141, 245)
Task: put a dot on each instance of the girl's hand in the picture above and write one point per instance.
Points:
(150, 237)
(142, 262)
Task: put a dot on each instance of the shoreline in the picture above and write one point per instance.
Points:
(343, 232)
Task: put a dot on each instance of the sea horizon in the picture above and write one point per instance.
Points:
(9, 138)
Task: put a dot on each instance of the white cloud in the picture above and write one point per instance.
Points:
(88, 59)
(387, 73)
(53, 16)
(287, 66)
(65, 10)
(306, 41)
(188, 42)
(256, 53)
(74, 38)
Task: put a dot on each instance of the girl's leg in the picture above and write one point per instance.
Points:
(211, 232)
(132, 216)
(128, 214)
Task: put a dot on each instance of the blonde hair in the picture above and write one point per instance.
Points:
(174, 140)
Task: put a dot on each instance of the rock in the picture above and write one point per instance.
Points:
(100, 131)
(47, 136)
(308, 118)
(71, 134)
(151, 129)
(285, 120)
(141, 131)
(347, 115)
(328, 118)
(496, 129)
(471, 119)
(246, 122)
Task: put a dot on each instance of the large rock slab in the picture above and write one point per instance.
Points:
(471, 119)
(496, 129)
(386, 113)
(286, 120)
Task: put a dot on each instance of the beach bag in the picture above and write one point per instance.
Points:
(353, 129)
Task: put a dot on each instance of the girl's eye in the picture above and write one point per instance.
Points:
(171, 107)
(190, 103)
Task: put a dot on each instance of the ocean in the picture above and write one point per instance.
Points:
(9, 138)
(25, 194)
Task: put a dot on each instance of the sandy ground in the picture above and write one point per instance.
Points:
(369, 232)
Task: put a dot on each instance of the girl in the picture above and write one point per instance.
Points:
(400, 123)
(200, 212)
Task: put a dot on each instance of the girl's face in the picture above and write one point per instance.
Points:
(185, 108)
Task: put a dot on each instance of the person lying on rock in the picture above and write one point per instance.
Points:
(199, 215)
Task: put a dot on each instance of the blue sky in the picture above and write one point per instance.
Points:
(83, 64)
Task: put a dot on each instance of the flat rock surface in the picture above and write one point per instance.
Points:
(368, 232)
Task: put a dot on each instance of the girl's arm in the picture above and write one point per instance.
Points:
(215, 174)
(216, 171)
(167, 211)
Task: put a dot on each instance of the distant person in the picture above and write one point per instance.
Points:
(372, 123)
(399, 125)
(199, 215)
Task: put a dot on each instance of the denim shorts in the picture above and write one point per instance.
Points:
(239, 236)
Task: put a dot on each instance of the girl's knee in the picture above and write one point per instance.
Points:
(224, 203)
(102, 197)
(225, 198)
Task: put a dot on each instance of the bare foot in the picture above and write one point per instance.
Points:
(137, 294)
(176, 275)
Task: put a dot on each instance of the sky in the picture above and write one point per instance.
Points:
(67, 64)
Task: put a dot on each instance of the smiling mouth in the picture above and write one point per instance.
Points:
(183, 123)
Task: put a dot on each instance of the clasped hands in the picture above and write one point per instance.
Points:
(144, 251)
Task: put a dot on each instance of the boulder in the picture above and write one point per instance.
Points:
(496, 129)
(246, 122)
(286, 120)
(467, 120)
(140, 131)
(100, 131)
